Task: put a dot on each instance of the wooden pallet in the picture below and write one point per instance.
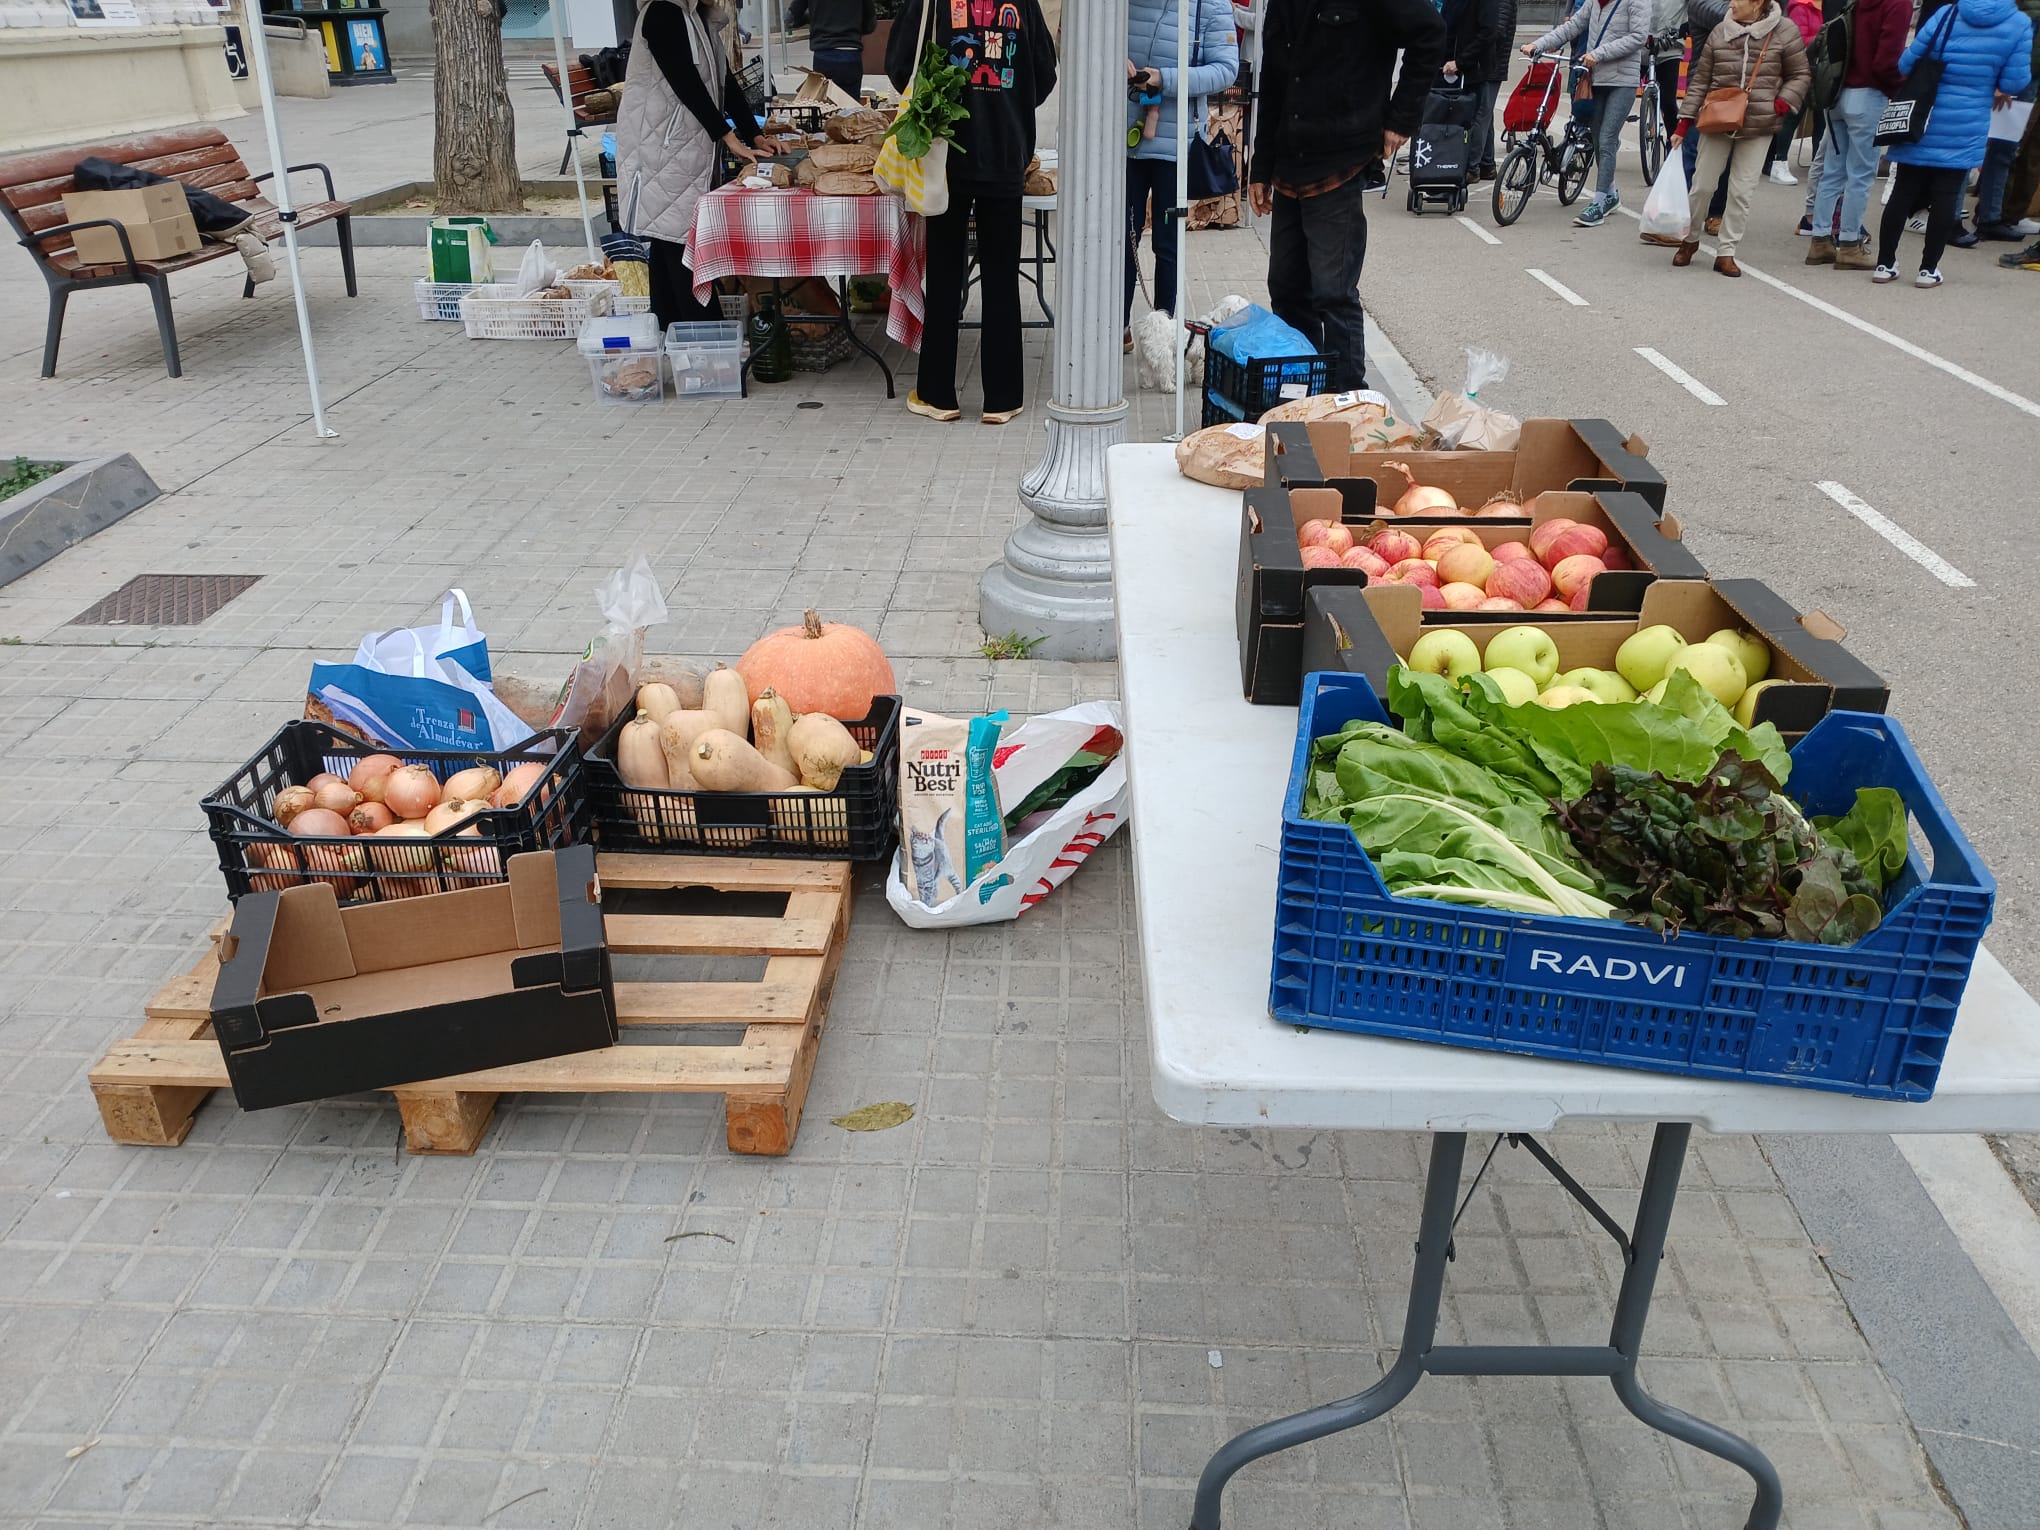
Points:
(149, 1085)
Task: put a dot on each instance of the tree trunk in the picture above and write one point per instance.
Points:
(474, 149)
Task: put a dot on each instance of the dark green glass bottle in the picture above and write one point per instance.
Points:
(771, 344)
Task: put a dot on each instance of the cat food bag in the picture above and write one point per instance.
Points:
(950, 826)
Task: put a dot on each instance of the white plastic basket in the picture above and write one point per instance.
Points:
(494, 313)
(441, 300)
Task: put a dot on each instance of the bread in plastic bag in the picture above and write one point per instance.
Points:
(604, 682)
(1369, 415)
(1224, 456)
(1460, 422)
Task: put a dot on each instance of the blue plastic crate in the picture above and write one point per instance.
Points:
(1871, 1019)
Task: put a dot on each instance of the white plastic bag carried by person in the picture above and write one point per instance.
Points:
(1461, 422)
(1037, 863)
(1667, 210)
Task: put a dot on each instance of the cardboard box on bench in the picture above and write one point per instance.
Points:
(1362, 631)
(315, 1001)
(1553, 454)
(157, 218)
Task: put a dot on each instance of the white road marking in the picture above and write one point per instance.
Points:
(1478, 232)
(1899, 537)
(1989, 1218)
(1681, 376)
(1960, 373)
(1557, 286)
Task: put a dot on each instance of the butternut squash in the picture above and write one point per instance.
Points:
(724, 693)
(657, 700)
(811, 817)
(771, 721)
(722, 761)
(676, 737)
(822, 750)
(642, 765)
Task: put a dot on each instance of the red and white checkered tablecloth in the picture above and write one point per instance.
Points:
(789, 231)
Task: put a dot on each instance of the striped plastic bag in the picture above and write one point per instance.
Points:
(923, 182)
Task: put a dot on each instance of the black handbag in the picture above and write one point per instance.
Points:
(1214, 168)
(1904, 119)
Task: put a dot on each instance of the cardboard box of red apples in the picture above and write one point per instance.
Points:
(1364, 631)
(1580, 455)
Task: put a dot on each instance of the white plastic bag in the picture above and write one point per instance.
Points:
(535, 272)
(606, 678)
(1461, 422)
(1033, 866)
(460, 642)
(397, 692)
(1667, 210)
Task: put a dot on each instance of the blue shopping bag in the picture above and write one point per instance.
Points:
(422, 688)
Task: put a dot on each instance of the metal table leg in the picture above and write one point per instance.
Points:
(843, 302)
(1420, 1355)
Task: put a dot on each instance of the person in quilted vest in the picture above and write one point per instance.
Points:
(1986, 52)
(1759, 51)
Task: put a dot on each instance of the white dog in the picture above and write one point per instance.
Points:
(1153, 332)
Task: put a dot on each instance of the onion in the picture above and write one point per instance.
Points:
(290, 802)
(1501, 504)
(519, 783)
(411, 791)
(477, 783)
(477, 863)
(1421, 499)
(367, 777)
(276, 857)
(349, 859)
(320, 823)
(450, 813)
(405, 857)
(371, 818)
(336, 796)
(323, 778)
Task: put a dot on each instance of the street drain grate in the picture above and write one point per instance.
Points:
(165, 600)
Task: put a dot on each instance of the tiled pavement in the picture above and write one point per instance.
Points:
(1037, 1304)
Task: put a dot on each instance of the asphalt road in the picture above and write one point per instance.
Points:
(1806, 397)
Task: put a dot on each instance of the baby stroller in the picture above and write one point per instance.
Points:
(1441, 153)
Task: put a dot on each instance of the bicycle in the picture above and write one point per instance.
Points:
(1532, 156)
(1651, 138)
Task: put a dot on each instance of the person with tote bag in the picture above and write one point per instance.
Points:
(1151, 136)
(1007, 55)
(1749, 74)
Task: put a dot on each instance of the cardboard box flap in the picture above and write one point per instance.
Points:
(309, 942)
(535, 895)
(420, 932)
(583, 941)
(244, 950)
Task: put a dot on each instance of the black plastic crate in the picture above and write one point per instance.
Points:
(1241, 392)
(855, 822)
(257, 856)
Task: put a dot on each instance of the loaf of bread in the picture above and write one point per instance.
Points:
(845, 183)
(844, 156)
(1225, 456)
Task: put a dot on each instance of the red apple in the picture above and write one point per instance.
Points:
(1431, 597)
(1445, 538)
(1313, 533)
(1575, 573)
(1521, 579)
(1574, 541)
(1578, 602)
(1361, 557)
(1551, 603)
(1615, 557)
(1340, 540)
(1393, 546)
(1499, 603)
(1414, 571)
(1320, 557)
(1541, 536)
(1468, 563)
(1462, 597)
(1509, 552)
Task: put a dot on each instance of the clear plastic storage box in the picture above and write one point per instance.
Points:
(623, 358)
(707, 359)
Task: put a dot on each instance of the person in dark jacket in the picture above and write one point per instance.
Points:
(1472, 28)
(1493, 75)
(1008, 57)
(1991, 219)
(1849, 161)
(1327, 110)
(836, 33)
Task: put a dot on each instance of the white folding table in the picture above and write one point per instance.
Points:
(1208, 773)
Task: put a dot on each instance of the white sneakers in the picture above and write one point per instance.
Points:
(1884, 274)
(1928, 277)
(1781, 174)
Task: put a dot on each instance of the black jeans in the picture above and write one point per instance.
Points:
(672, 286)
(844, 67)
(1316, 248)
(1150, 179)
(1912, 185)
(998, 259)
(1668, 90)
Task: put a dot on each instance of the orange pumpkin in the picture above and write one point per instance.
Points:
(820, 667)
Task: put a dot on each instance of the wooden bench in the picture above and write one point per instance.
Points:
(32, 188)
(580, 85)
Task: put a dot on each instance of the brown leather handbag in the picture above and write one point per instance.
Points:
(1726, 109)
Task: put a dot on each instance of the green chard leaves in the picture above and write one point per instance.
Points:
(933, 107)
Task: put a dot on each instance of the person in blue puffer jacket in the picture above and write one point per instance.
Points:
(1151, 158)
(1986, 47)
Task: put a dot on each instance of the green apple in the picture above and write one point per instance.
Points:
(1754, 652)
(1746, 708)
(1445, 652)
(1645, 656)
(1517, 687)
(1601, 684)
(1656, 693)
(1559, 697)
(1529, 649)
(1718, 671)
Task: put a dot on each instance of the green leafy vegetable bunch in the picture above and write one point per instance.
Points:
(933, 107)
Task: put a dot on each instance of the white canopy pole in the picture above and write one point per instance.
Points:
(258, 54)
(765, 39)
(573, 130)
(1186, 18)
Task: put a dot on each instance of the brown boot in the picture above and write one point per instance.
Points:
(1854, 257)
(1726, 265)
(1821, 252)
(1685, 253)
